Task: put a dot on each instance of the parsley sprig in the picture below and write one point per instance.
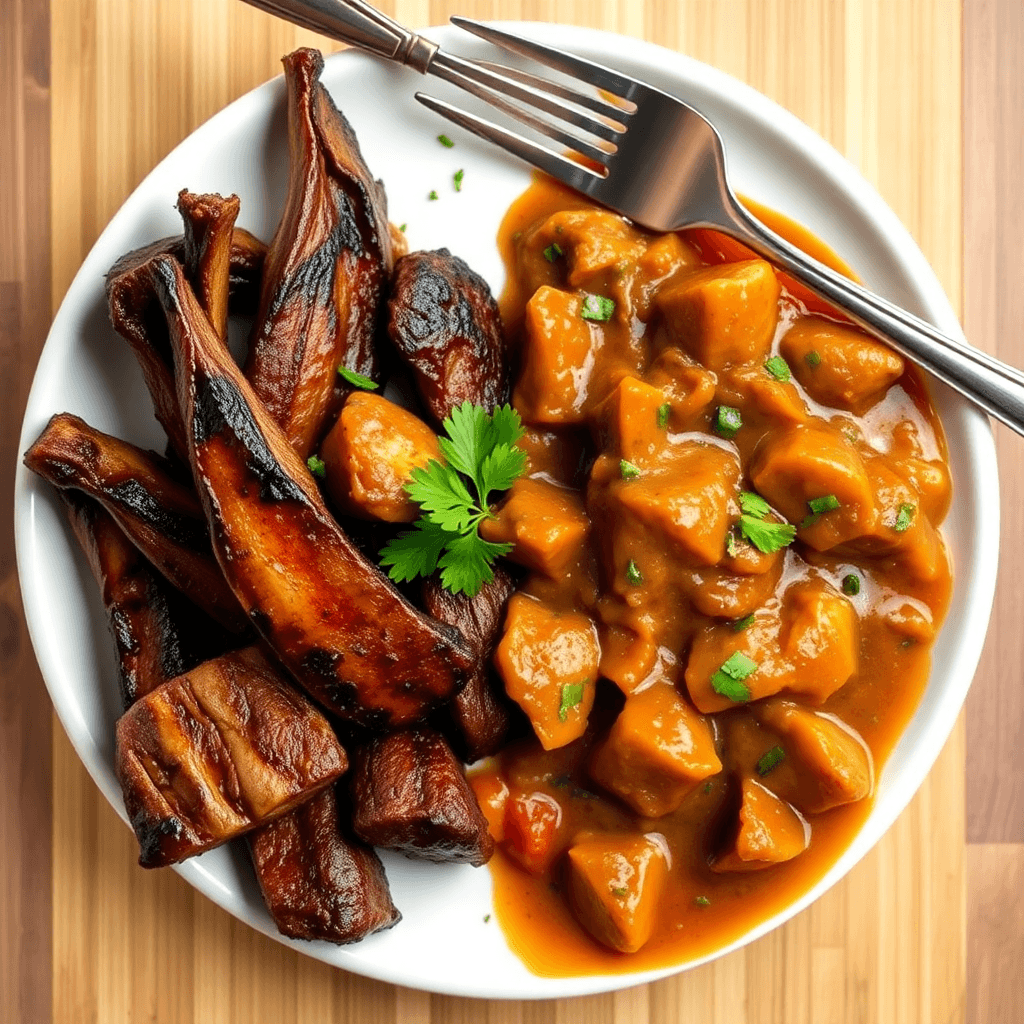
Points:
(766, 536)
(454, 497)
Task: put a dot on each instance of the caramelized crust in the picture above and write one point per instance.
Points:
(410, 794)
(446, 325)
(318, 882)
(216, 752)
(161, 516)
(335, 621)
(327, 266)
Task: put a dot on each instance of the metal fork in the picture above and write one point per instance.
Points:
(650, 157)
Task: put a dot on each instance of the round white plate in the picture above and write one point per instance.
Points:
(443, 943)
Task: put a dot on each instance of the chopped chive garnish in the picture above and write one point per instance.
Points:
(628, 470)
(357, 379)
(552, 252)
(851, 584)
(774, 757)
(702, 901)
(597, 307)
(728, 421)
(317, 467)
(487, 918)
(445, 141)
(812, 359)
(728, 680)
(663, 414)
(633, 575)
(432, 194)
(778, 368)
(457, 179)
(402, 227)
(818, 507)
(572, 694)
(707, 788)
(904, 517)
(741, 624)
(730, 544)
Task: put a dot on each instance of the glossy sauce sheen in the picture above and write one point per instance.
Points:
(898, 610)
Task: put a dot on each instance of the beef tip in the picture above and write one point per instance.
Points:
(319, 882)
(410, 794)
(446, 325)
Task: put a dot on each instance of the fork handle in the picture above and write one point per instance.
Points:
(358, 24)
(990, 383)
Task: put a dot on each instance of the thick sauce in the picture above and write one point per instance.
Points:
(642, 608)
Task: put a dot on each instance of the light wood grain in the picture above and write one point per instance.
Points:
(880, 79)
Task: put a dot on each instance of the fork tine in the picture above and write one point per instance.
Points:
(587, 71)
(573, 174)
(594, 103)
(444, 64)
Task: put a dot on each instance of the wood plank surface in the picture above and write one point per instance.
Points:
(878, 78)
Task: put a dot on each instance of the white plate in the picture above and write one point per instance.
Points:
(443, 943)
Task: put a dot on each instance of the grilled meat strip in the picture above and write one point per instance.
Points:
(480, 712)
(330, 615)
(410, 794)
(161, 516)
(318, 881)
(218, 751)
(137, 318)
(327, 267)
(445, 324)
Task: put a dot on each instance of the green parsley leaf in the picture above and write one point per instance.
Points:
(415, 552)
(432, 194)
(664, 411)
(502, 466)
(851, 584)
(552, 252)
(466, 563)
(402, 227)
(572, 694)
(778, 368)
(357, 379)
(818, 507)
(728, 680)
(633, 575)
(754, 505)
(702, 901)
(597, 307)
(728, 421)
(627, 470)
(445, 141)
(457, 179)
(317, 467)
(904, 517)
(770, 760)
(741, 624)
(812, 359)
(767, 537)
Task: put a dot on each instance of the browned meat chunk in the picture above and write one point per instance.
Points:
(481, 713)
(331, 616)
(326, 269)
(410, 793)
(318, 882)
(217, 752)
(446, 325)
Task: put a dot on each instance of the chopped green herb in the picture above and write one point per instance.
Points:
(357, 379)
(317, 467)
(768, 761)
(402, 227)
(754, 505)
(487, 918)
(702, 901)
(728, 421)
(552, 252)
(445, 141)
(741, 624)
(818, 507)
(767, 537)
(597, 307)
(618, 890)
(778, 368)
(812, 359)
(633, 575)
(482, 457)
(851, 584)
(572, 694)
(663, 414)
(730, 544)
(904, 517)
(457, 179)
(432, 194)
(707, 788)
(627, 470)
(728, 680)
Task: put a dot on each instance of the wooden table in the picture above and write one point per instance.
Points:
(928, 102)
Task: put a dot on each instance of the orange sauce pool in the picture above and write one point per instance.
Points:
(702, 911)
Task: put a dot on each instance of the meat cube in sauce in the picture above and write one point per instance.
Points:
(764, 400)
(769, 831)
(410, 793)
(690, 389)
(838, 365)
(834, 763)
(369, 455)
(549, 663)
(658, 750)
(807, 643)
(216, 752)
(723, 316)
(546, 524)
(615, 887)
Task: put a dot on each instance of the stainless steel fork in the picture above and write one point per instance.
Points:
(650, 157)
